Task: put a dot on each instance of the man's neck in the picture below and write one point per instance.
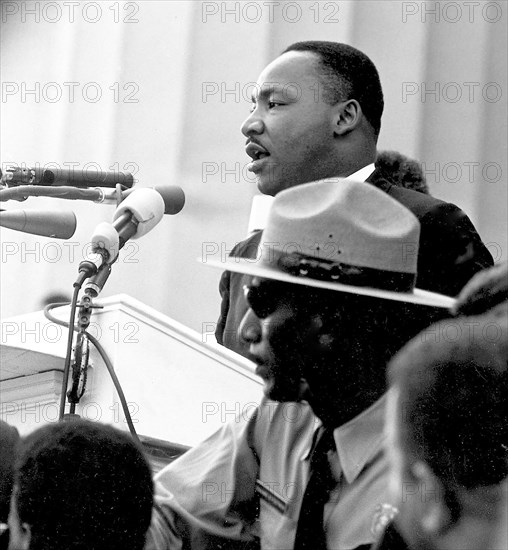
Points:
(354, 157)
(335, 415)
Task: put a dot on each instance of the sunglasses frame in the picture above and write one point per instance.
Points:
(253, 295)
(265, 298)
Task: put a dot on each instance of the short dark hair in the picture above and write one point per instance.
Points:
(84, 485)
(347, 73)
(453, 410)
(402, 171)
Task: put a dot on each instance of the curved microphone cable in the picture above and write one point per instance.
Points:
(140, 212)
(105, 358)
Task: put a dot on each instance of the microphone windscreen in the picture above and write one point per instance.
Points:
(59, 225)
(106, 241)
(173, 197)
(146, 207)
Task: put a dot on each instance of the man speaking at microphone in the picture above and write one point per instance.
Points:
(316, 113)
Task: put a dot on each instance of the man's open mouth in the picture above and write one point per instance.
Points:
(256, 151)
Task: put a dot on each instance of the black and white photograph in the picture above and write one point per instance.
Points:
(254, 275)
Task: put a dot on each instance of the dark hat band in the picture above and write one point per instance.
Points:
(299, 265)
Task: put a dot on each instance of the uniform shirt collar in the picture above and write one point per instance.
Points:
(360, 439)
(363, 173)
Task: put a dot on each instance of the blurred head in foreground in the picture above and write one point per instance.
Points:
(447, 427)
(80, 485)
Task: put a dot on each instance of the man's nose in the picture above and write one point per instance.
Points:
(249, 330)
(253, 124)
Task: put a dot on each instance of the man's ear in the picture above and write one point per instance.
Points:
(435, 518)
(347, 117)
(325, 339)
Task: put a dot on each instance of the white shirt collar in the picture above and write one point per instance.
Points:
(360, 439)
(363, 173)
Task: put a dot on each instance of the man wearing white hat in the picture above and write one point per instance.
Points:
(316, 113)
(332, 298)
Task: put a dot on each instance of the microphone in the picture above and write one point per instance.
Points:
(138, 214)
(74, 177)
(172, 195)
(59, 225)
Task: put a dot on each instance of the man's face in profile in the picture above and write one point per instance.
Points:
(279, 336)
(289, 341)
(290, 131)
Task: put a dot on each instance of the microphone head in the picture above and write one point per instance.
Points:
(106, 242)
(147, 208)
(173, 197)
(59, 225)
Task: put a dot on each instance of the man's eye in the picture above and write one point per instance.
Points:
(272, 104)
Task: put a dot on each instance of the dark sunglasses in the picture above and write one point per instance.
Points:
(261, 300)
(265, 298)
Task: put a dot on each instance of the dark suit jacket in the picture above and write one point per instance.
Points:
(450, 253)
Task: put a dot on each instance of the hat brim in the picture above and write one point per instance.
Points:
(253, 268)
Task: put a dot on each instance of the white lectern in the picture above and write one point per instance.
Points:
(180, 389)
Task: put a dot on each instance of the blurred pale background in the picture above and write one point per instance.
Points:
(174, 78)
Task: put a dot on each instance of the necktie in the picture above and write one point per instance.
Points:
(310, 530)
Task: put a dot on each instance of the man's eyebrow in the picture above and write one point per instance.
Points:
(265, 91)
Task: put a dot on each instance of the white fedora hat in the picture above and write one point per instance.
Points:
(340, 235)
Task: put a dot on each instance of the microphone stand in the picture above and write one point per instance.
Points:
(87, 269)
(92, 269)
(79, 363)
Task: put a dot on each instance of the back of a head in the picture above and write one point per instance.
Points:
(8, 442)
(402, 171)
(83, 485)
(347, 73)
(453, 382)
